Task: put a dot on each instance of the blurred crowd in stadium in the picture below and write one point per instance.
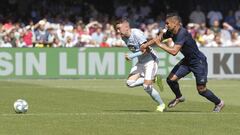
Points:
(81, 24)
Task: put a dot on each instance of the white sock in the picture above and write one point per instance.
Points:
(153, 93)
(156, 96)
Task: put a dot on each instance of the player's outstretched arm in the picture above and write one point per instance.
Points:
(130, 56)
(150, 42)
(171, 50)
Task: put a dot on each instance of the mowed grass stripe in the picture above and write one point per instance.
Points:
(113, 109)
(119, 113)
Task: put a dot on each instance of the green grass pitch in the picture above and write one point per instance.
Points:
(108, 107)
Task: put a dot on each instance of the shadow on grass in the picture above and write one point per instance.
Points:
(151, 111)
(175, 111)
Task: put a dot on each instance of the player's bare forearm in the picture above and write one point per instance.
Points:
(146, 45)
(171, 50)
(151, 42)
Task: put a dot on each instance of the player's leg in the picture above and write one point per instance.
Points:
(208, 94)
(150, 72)
(179, 71)
(200, 72)
(135, 78)
(172, 81)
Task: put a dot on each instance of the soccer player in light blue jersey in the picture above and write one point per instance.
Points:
(144, 72)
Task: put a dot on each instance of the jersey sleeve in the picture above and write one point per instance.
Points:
(181, 38)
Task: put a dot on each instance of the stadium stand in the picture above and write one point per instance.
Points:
(80, 23)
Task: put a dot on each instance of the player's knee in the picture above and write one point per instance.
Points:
(201, 89)
(201, 92)
(170, 82)
(130, 83)
(147, 88)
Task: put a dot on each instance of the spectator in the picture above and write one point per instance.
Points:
(202, 29)
(235, 39)
(213, 16)
(6, 42)
(192, 29)
(216, 27)
(98, 36)
(226, 35)
(28, 36)
(118, 42)
(104, 43)
(87, 41)
(79, 29)
(207, 38)
(217, 42)
(197, 16)
(69, 42)
(84, 19)
(230, 19)
(41, 35)
(51, 35)
(56, 43)
(154, 30)
(8, 25)
(111, 38)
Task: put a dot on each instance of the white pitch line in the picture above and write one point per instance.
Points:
(120, 113)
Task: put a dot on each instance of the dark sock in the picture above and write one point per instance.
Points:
(174, 87)
(210, 96)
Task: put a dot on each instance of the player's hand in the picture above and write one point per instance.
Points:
(126, 57)
(157, 40)
(143, 48)
(144, 51)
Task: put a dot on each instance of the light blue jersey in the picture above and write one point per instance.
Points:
(136, 39)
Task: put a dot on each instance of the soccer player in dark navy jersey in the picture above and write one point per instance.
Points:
(194, 61)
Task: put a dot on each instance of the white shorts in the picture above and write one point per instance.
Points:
(147, 70)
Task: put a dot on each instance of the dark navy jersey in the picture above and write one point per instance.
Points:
(189, 47)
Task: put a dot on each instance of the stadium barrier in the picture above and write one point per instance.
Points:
(78, 63)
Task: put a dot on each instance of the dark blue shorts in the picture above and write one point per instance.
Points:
(199, 68)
